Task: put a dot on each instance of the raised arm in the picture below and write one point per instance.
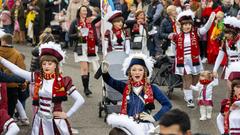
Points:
(116, 84)
(15, 69)
(163, 100)
(218, 60)
(207, 26)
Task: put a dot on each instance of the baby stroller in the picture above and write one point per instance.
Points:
(164, 75)
(111, 99)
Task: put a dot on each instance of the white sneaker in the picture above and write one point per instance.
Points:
(204, 60)
(74, 131)
(190, 103)
(203, 118)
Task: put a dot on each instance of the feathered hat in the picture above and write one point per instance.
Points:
(53, 49)
(127, 124)
(138, 59)
(232, 24)
(186, 17)
(113, 15)
(235, 71)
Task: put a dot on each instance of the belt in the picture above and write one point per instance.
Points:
(43, 116)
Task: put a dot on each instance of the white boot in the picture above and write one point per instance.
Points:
(188, 97)
(209, 112)
(203, 112)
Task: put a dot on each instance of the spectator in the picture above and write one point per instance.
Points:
(9, 52)
(175, 122)
(6, 20)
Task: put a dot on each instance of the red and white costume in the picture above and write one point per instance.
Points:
(49, 93)
(7, 124)
(115, 39)
(205, 92)
(89, 48)
(230, 48)
(187, 60)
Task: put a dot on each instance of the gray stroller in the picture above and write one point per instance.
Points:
(111, 99)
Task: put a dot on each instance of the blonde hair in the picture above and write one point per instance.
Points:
(171, 8)
(207, 74)
(46, 36)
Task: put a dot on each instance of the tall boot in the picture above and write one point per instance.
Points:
(209, 112)
(85, 81)
(203, 112)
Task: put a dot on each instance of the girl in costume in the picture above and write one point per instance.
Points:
(187, 61)
(85, 52)
(205, 89)
(228, 120)
(50, 90)
(138, 93)
(116, 39)
(230, 45)
(7, 124)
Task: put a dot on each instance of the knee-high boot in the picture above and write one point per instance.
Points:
(85, 81)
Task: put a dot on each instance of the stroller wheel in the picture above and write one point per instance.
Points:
(100, 109)
(169, 93)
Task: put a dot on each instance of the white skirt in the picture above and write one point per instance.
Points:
(47, 126)
(188, 67)
(84, 57)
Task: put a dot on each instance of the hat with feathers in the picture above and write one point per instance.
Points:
(235, 71)
(138, 59)
(232, 23)
(186, 16)
(52, 48)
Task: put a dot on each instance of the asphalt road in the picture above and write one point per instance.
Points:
(86, 119)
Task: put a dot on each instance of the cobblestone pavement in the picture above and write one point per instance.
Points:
(86, 119)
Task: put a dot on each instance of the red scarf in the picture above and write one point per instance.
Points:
(205, 81)
(148, 94)
(90, 39)
(231, 43)
(58, 90)
(194, 48)
(135, 29)
(118, 33)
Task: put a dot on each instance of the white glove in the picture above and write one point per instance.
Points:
(147, 117)
(105, 66)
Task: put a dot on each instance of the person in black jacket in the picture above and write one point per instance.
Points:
(168, 26)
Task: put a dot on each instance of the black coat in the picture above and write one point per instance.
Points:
(165, 29)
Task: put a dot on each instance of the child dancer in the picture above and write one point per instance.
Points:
(205, 88)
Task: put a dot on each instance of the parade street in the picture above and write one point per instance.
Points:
(86, 119)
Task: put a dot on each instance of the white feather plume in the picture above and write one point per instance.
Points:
(149, 62)
(125, 122)
(55, 46)
(186, 13)
(110, 14)
(232, 21)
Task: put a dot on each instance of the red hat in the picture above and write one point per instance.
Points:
(234, 75)
(53, 49)
(234, 70)
(114, 15)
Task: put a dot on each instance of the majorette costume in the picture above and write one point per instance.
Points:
(230, 47)
(228, 121)
(205, 90)
(187, 59)
(116, 39)
(6, 122)
(50, 91)
(137, 99)
(88, 42)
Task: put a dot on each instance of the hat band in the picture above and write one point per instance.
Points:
(49, 51)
